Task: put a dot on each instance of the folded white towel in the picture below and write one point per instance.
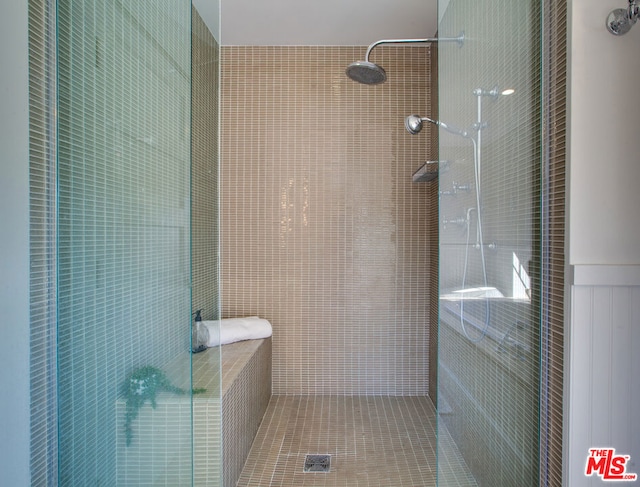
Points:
(237, 329)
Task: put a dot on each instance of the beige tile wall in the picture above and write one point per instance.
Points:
(205, 111)
(323, 231)
(246, 394)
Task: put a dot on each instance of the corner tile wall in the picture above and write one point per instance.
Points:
(323, 231)
(205, 88)
(205, 264)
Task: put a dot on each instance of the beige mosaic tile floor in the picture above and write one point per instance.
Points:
(374, 441)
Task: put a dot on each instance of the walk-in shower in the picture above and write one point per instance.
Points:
(336, 239)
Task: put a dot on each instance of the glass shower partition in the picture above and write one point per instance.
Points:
(489, 280)
(205, 255)
(124, 243)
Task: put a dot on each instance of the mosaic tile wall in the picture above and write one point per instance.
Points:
(246, 393)
(233, 413)
(42, 241)
(433, 202)
(123, 219)
(205, 86)
(205, 289)
(323, 231)
(110, 142)
(553, 340)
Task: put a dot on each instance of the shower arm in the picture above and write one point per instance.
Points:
(633, 11)
(459, 40)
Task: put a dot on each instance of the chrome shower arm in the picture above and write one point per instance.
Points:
(459, 39)
(633, 10)
(370, 73)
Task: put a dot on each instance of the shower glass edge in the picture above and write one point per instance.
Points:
(205, 238)
(490, 258)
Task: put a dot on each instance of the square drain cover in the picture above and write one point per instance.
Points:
(317, 463)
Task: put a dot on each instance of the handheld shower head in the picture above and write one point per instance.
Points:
(413, 123)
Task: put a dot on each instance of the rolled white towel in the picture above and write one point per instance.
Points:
(237, 329)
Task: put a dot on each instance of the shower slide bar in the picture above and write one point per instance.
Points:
(620, 20)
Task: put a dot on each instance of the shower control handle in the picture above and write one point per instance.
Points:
(460, 187)
(491, 246)
(460, 221)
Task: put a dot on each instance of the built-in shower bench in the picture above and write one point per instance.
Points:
(246, 391)
(160, 451)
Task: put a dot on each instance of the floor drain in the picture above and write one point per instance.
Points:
(317, 463)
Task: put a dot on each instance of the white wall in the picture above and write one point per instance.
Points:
(603, 252)
(604, 201)
(14, 247)
(604, 364)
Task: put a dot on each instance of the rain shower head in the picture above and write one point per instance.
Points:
(366, 72)
(369, 73)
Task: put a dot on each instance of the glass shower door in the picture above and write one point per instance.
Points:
(489, 281)
(123, 226)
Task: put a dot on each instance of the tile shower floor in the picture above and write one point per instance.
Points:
(374, 441)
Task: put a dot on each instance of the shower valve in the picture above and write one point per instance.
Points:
(460, 187)
(491, 246)
(456, 188)
(460, 221)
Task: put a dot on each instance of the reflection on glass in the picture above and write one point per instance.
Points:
(124, 235)
(488, 370)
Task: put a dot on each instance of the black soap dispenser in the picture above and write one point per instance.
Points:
(199, 334)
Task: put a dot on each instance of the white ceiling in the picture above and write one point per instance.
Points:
(318, 22)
